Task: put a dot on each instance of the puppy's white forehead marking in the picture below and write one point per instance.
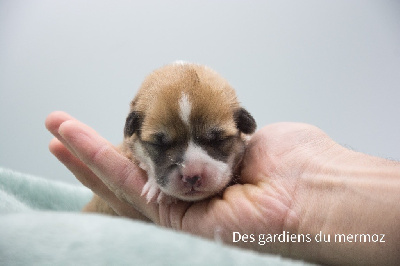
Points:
(185, 108)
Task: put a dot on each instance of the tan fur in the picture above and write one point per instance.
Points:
(213, 98)
(98, 205)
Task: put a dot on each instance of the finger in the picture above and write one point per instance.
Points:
(76, 166)
(90, 180)
(98, 154)
(124, 178)
(53, 122)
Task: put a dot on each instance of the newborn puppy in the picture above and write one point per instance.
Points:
(187, 130)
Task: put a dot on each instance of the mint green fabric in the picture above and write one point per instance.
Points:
(40, 224)
(21, 192)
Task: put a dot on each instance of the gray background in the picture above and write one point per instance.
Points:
(334, 64)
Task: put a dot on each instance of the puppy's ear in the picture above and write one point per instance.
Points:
(133, 123)
(244, 121)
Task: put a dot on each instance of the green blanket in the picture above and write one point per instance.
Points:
(40, 224)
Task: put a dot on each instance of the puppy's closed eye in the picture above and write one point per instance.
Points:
(161, 140)
(214, 137)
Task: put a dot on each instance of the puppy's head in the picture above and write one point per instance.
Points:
(186, 129)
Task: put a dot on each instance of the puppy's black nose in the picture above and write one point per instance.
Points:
(192, 180)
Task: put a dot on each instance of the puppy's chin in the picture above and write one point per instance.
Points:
(209, 182)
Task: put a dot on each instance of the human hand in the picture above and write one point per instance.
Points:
(279, 190)
(265, 189)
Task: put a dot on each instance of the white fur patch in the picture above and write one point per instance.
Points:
(185, 108)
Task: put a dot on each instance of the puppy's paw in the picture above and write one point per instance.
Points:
(151, 191)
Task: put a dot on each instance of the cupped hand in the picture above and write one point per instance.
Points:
(261, 203)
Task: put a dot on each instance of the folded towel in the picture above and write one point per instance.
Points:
(40, 224)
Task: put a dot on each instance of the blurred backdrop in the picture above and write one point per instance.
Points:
(334, 64)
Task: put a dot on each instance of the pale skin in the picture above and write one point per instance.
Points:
(294, 178)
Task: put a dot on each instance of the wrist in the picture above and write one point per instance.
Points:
(347, 203)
